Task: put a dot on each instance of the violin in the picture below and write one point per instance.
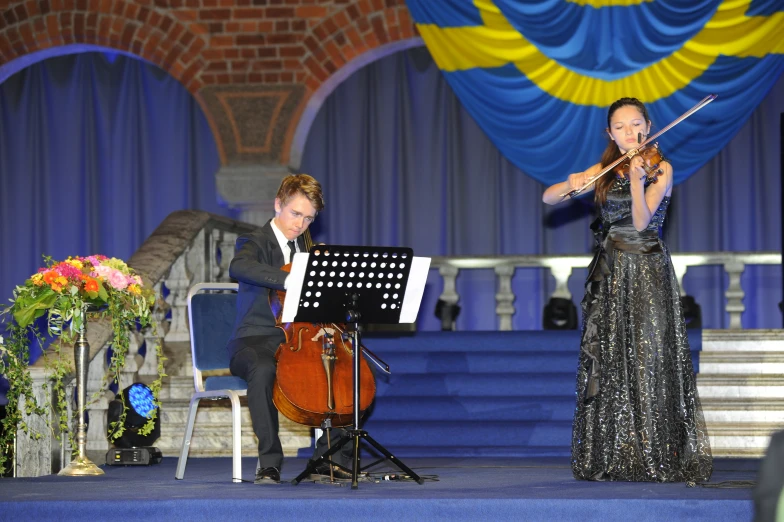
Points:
(655, 170)
(651, 161)
(314, 378)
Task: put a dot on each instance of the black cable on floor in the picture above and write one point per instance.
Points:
(729, 484)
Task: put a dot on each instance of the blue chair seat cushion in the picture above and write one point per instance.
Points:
(224, 383)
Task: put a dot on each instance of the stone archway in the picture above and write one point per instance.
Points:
(260, 73)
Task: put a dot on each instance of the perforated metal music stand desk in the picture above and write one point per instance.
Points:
(352, 284)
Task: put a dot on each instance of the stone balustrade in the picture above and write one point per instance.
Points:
(190, 247)
(561, 268)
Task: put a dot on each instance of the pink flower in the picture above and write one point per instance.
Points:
(95, 260)
(118, 280)
(68, 271)
(114, 277)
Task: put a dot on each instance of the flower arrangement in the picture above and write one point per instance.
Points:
(67, 292)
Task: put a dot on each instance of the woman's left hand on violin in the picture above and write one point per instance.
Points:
(636, 169)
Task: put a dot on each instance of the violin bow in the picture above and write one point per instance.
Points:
(630, 154)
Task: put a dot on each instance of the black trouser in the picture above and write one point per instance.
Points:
(254, 361)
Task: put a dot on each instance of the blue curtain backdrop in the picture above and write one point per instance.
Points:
(403, 163)
(95, 151)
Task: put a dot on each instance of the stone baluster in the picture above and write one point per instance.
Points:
(66, 449)
(35, 458)
(222, 251)
(504, 298)
(98, 398)
(187, 270)
(128, 374)
(149, 367)
(449, 294)
(734, 293)
(561, 273)
(178, 283)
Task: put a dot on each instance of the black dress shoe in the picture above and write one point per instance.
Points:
(267, 476)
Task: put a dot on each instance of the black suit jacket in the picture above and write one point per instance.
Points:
(256, 267)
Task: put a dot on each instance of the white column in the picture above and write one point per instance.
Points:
(504, 298)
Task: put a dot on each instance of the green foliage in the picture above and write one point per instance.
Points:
(69, 293)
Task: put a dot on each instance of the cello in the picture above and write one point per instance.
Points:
(314, 378)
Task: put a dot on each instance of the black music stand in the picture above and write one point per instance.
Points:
(349, 284)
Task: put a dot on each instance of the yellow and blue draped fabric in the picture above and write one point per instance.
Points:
(538, 76)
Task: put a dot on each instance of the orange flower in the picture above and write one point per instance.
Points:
(134, 289)
(50, 277)
(90, 285)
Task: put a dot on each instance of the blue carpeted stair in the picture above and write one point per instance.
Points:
(501, 394)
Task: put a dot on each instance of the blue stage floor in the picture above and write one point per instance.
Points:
(465, 489)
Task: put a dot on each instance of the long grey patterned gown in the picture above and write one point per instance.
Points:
(638, 416)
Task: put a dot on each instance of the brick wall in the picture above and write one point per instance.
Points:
(252, 64)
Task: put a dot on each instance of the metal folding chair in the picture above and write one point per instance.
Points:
(211, 320)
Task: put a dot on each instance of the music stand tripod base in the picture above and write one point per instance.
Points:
(349, 284)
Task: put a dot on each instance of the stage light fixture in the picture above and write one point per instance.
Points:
(138, 399)
(448, 313)
(559, 314)
(692, 314)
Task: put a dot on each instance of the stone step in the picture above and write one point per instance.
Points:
(770, 340)
(212, 428)
(743, 411)
(730, 439)
(741, 385)
(177, 387)
(214, 439)
(736, 385)
(741, 363)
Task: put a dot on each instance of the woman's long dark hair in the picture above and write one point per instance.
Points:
(612, 152)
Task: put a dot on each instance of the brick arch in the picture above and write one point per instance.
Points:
(337, 47)
(28, 28)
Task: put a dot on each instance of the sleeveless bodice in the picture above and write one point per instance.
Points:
(618, 206)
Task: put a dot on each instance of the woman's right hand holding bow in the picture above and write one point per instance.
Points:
(577, 180)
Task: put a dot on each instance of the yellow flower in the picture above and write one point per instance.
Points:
(37, 279)
(134, 289)
(75, 263)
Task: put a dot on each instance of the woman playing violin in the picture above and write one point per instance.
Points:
(638, 416)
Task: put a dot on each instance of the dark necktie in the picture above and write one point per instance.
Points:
(292, 251)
